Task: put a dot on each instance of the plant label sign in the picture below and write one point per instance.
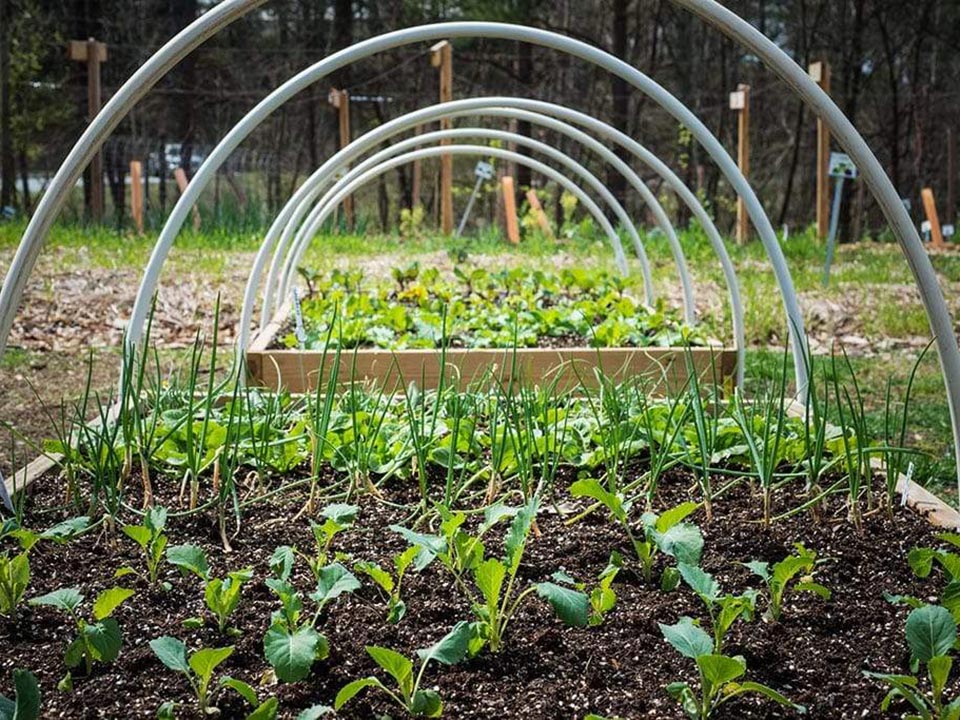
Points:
(841, 166)
(948, 231)
(738, 100)
(483, 170)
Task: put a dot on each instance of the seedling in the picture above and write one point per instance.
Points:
(602, 597)
(337, 518)
(780, 579)
(932, 635)
(390, 584)
(26, 702)
(198, 669)
(451, 649)
(921, 560)
(724, 610)
(14, 580)
(222, 595)
(719, 674)
(151, 539)
(97, 641)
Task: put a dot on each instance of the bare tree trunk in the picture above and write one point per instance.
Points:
(620, 91)
(7, 172)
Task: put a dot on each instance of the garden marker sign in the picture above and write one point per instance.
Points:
(766, 51)
(483, 171)
(841, 168)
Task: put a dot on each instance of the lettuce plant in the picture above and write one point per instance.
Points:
(26, 702)
(723, 609)
(720, 675)
(932, 635)
(781, 578)
(221, 595)
(98, 640)
(198, 668)
(450, 650)
(152, 541)
(391, 583)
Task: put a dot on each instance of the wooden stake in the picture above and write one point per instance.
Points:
(441, 56)
(740, 101)
(136, 195)
(181, 177)
(539, 214)
(92, 53)
(340, 99)
(930, 208)
(510, 209)
(820, 73)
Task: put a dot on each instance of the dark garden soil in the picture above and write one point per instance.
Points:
(815, 655)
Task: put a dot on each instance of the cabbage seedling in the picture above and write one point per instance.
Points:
(451, 649)
(221, 595)
(602, 597)
(719, 674)
(14, 579)
(97, 641)
(151, 539)
(931, 634)
(780, 579)
(390, 583)
(337, 518)
(724, 610)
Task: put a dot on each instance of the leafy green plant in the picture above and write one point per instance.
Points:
(932, 635)
(781, 578)
(221, 595)
(338, 517)
(198, 668)
(391, 583)
(723, 609)
(98, 640)
(150, 537)
(14, 580)
(602, 596)
(720, 675)
(26, 702)
(450, 650)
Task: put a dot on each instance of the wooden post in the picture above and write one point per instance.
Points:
(539, 214)
(136, 195)
(340, 99)
(740, 101)
(92, 53)
(510, 209)
(441, 56)
(951, 216)
(820, 74)
(930, 208)
(181, 177)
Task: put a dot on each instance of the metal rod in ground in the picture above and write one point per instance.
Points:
(834, 222)
(466, 211)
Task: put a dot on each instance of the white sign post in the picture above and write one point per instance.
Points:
(483, 171)
(841, 168)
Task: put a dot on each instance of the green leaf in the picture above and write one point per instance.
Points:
(333, 581)
(291, 654)
(399, 667)
(720, 669)
(592, 488)
(770, 694)
(315, 712)
(571, 606)
(489, 576)
(921, 561)
(939, 670)
(376, 573)
(760, 568)
(172, 653)
(245, 690)
(66, 530)
(109, 600)
(451, 648)
(931, 631)
(517, 535)
(341, 513)
(104, 637)
(426, 703)
(701, 582)
(281, 562)
(815, 588)
(138, 533)
(66, 599)
(155, 519)
(190, 558)
(671, 517)
(348, 691)
(683, 542)
(205, 661)
(688, 639)
(26, 703)
(267, 710)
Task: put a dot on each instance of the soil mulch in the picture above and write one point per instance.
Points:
(815, 655)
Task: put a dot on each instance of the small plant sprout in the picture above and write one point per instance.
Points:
(151, 539)
(602, 596)
(26, 702)
(14, 580)
(198, 667)
(719, 674)
(222, 595)
(391, 583)
(932, 635)
(338, 517)
(450, 650)
(96, 641)
(782, 578)
(723, 609)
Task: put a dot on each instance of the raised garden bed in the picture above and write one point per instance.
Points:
(596, 629)
(493, 327)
